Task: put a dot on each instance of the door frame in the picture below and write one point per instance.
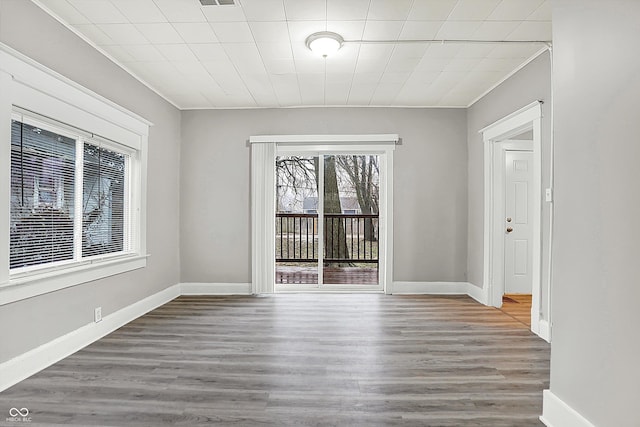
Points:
(264, 149)
(494, 136)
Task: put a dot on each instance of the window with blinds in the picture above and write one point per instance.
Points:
(69, 196)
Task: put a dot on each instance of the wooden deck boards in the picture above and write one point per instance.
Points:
(300, 359)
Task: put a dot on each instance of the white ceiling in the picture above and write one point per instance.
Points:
(254, 55)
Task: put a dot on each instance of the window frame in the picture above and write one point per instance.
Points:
(63, 105)
(81, 138)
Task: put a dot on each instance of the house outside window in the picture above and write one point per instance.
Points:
(70, 198)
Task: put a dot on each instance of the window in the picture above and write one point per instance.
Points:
(70, 198)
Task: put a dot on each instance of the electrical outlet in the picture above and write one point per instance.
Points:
(97, 314)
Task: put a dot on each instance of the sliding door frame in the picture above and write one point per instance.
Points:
(264, 150)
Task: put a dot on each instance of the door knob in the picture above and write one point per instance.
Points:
(509, 229)
(508, 219)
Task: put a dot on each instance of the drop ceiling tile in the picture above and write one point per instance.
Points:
(515, 50)
(226, 76)
(431, 64)
(196, 32)
(431, 10)
(462, 64)
(339, 78)
(196, 73)
(305, 10)
(286, 89)
(224, 14)
(376, 51)
(473, 10)
(498, 64)
(443, 50)
(245, 57)
(119, 53)
(264, 10)
(181, 10)
(341, 10)
(209, 51)
(402, 64)
(367, 78)
(280, 66)
(232, 32)
(349, 30)
(66, 11)
(409, 50)
(336, 93)
(386, 93)
(420, 30)
(144, 53)
(361, 94)
(458, 30)
(389, 10)
(395, 77)
(160, 33)
(475, 50)
(382, 30)
(99, 11)
(312, 66)
(532, 30)
(176, 52)
(95, 34)
(371, 65)
(270, 31)
(123, 34)
(275, 50)
(543, 13)
(139, 11)
(300, 30)
(514, 10)
(494, 30)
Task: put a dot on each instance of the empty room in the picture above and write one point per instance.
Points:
(319, 212)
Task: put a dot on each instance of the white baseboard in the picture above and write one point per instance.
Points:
(545, 330)
(556, 413)
(21, 367)
(477, 293)
(439, 288)
(215, 289)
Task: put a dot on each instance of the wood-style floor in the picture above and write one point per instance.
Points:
(300, 359)
(518, 306)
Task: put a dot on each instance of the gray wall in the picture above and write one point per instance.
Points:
(595, 288)
(43, 318)
(531, 83)
(430, 186)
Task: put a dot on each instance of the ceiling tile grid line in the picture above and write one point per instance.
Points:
(254, 54)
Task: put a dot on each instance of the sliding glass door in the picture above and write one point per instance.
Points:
(327, 221)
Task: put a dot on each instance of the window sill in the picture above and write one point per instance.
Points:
(38, 283)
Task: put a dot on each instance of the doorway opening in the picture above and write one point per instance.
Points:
(327, 219)
(513, 208)
(322, 213)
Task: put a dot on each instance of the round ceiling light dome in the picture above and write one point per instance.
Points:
(324, 43)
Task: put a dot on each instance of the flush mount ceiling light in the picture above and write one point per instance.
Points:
(324, 43)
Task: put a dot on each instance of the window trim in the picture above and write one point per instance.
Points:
(59, 101)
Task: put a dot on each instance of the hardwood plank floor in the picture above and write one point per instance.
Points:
(300, 359)
(518, 306)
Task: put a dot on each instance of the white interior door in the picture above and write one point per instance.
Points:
(518, 237)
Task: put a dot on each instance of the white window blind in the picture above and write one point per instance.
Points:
(42, 196)
(70, 195)
(104, 204)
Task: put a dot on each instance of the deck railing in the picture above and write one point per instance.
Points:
(349, 238)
